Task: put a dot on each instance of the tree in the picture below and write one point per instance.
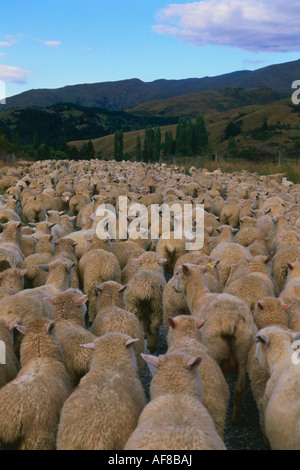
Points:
(201, 135)
(148, 145)
(232, 130)
(138, 148)
(118, 146)
(43, 152)
(90, 151)
(169, 144)
(157, 144)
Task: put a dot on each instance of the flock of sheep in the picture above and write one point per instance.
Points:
(80, 315)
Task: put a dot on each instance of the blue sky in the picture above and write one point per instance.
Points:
(50, 44)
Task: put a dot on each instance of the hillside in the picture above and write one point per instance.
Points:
(129, 93)
(205, 102)
(60, 123)
(282, 118)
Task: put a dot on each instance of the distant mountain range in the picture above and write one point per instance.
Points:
(124, 94)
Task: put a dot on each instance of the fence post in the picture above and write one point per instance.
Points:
(279, 158)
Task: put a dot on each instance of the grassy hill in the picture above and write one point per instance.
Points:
(205, 102)
(281, 117)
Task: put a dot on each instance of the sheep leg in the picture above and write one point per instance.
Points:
(239, 392)
(152, 336)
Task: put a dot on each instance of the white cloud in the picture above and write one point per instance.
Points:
(51, 43)
(5, 44)
(251, 25)
(13, 74)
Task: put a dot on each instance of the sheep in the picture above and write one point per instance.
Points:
(34, 210)
(97, 266)
(79, 200)
(254, 284)
(43, 255)
(30, 303)
(228, 254)
(81, 237)
(66, 223)
(287, 254)
(112, 317)
(184, 335)
(9, 369)
(171, 248)
(65, 248)
(12, 281)
(271, 311)
(131, 266)
(228, 334)
(42, 374)
(68, 313)
(274, 352)
(229, 215)
(143, 295)
(292, 284)
(174, 304)
(108, 399)
(11, 255)
(123, 250)
(175, 418)
(189, 280)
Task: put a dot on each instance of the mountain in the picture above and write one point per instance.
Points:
(125, 94)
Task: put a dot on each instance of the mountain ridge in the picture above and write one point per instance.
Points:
(128, 93)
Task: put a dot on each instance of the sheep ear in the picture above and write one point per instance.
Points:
(234, 230)
(81, 300)
(13, 325)
(121, 288)
(99, 287)
(260, 305)
(267, 260)
(74, 243)
(50, 327)
(290, 266)
(185, 270)
(44, 267)
(137, 261)
(262, 339)
(22, 329)
(62, 212)
(171, 322)
(162, 260)
(286, 306)
(130, 342)
(22, 272)
(72, 218)
(56, 241)
(200, 323)
(88, 345)
(151, 359)
(51, 300)
(296, 336)
(194, 361)
(89, 240)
